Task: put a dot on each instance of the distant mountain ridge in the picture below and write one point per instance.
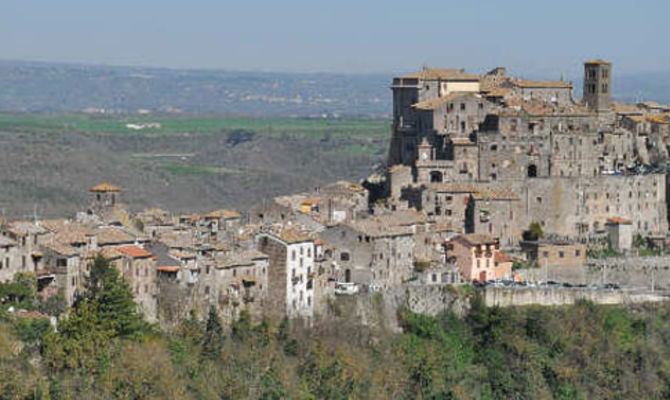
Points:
(56, 87)
(60, 87)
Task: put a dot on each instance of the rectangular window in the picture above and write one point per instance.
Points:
(545, 254)
(561, 254)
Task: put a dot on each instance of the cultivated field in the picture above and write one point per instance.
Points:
(183, 163)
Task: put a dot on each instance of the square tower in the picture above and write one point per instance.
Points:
(597, 85)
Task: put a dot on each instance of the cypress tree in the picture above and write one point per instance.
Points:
(213, 342)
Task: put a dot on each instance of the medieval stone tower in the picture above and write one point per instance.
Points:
(103, 198)
(597, 85)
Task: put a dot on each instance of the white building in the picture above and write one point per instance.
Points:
(291, 273)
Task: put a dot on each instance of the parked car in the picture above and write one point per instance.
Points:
(346, 288)
(374, 288)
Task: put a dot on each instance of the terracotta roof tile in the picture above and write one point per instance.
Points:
(104, 187)
(524, 83)
(435, 103)
(113, 235)
(598, 62)
(311, 201)
(134, 251)
(475, 239)
(223, 213)
(501, 256)
(61, 248)
(442, 74)
(618, 221)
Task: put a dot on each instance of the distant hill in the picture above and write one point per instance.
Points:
(55, 87)
(58, 87)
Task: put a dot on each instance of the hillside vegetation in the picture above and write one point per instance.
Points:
(183, 164)
(102, 350)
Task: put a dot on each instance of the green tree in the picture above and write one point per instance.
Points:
(534, 232)
(213, 341)
(115, 307)
(79, 342)
(242, 329)
(21, 292)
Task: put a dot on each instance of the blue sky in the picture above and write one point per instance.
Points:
(533, 37)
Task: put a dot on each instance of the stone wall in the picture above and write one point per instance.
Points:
(380, 309)
(630, 272)
(507, 297)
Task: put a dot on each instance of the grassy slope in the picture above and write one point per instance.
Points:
(190, 163)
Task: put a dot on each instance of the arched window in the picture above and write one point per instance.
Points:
(436, 176)
(532, 171)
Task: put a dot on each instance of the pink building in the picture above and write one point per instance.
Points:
(479, 258)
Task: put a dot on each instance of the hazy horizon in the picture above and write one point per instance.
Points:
(340, 37)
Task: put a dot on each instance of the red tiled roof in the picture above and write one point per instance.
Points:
(311, 201)
(541, 84)
(105, 187)
(441, 74)
(598, 62)
(476, 239)
(134, 251)
(501, 256)
(618, 221)
(167, 268)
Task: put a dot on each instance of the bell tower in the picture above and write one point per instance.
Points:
(597, 85)
(103, 198)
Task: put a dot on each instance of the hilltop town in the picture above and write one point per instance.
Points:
(498, 182)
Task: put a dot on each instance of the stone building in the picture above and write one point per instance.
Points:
(565, 163)
(378, 250)
(291, 272)
(10, 255)
(235, 282)
(414, 88)
(552, 253)
(479, 258)
(138, 268)
(620, 234)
